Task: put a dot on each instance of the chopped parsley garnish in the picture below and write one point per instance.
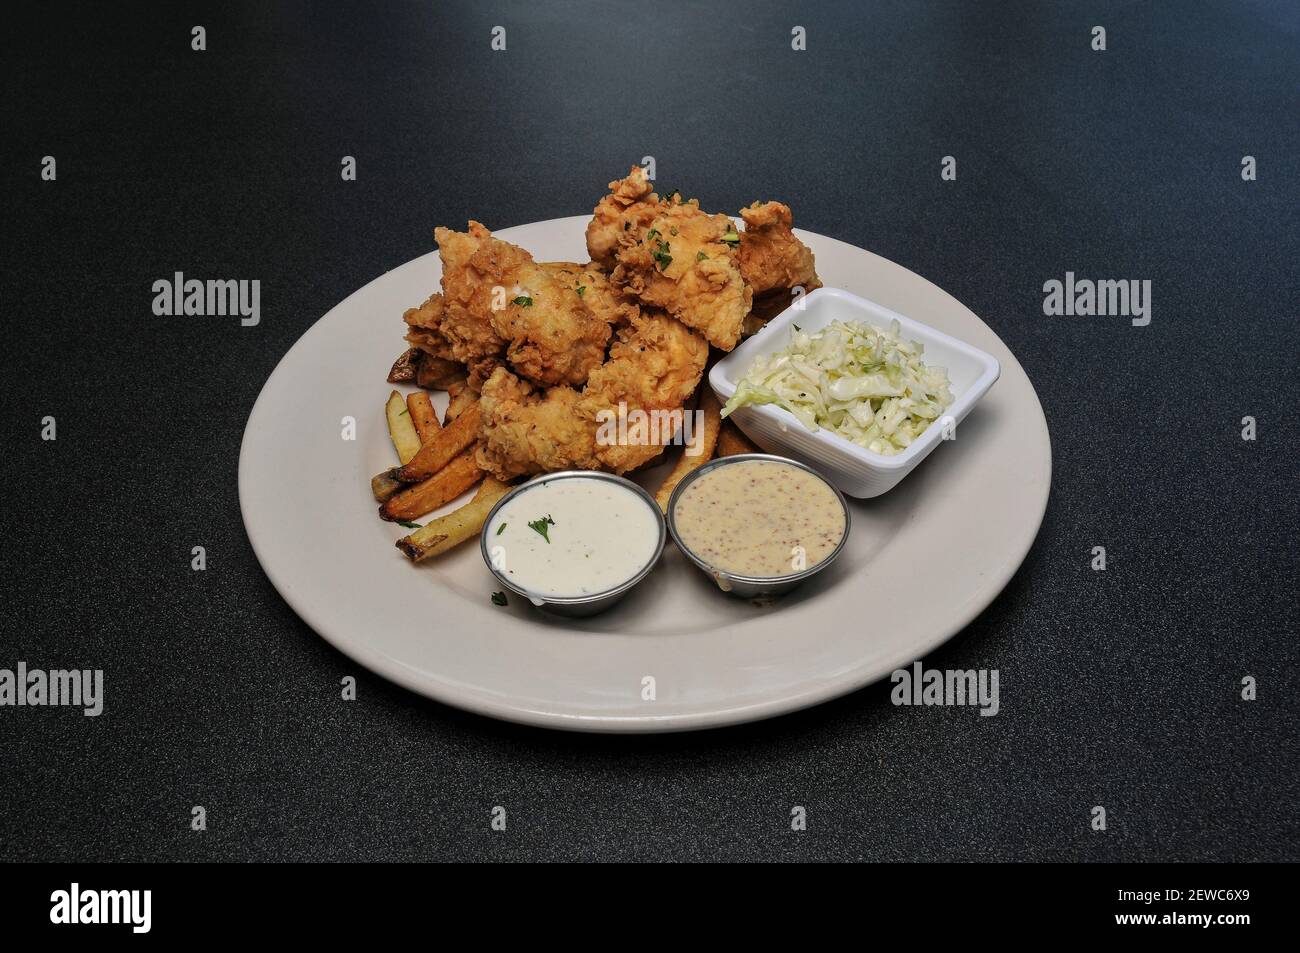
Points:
(501, 529)
(542, 527)
(652, 234)
(797, 328)
(524, 301)
(662, 257)
(731, 238)
(700, 256)
(626, 226)
(499, 599)
(408, 524)
(581, 290)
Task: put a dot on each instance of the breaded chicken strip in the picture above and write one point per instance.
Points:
(655, 365)
(668, 254)
(477, 347)
(771, 258)
(600, 299)
(773, 261)
(500, 304)
(686, 264)
(423, 327)
(629, 207)
(527, 432)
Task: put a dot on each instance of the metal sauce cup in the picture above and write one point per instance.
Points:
(590, 603)
(751, 587)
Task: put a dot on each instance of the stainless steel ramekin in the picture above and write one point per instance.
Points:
(750, 587)
(575, 605)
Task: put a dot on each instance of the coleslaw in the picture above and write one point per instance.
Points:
(865, 384)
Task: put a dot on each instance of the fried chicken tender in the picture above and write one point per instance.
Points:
(773, 261)
(423, 324)
(501, 306)
(477, 347)
(655, 365)
(600, 296)
(683, 265)
(527, 432)
(630, 206)
(669, 254)
(771, 258)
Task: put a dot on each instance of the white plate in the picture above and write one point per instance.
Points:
(921, 561)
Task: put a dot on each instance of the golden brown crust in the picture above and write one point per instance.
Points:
(684, 261)
(527, 432)
(771, 258)
(629, 207)
(503, 307)
(655, 364)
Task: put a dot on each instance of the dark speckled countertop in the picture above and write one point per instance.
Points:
(1119, 688)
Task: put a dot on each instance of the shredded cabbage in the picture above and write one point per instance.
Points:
(863, 383)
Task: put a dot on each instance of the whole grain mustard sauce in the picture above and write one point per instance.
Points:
(759, 518)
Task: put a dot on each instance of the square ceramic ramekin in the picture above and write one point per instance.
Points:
(857, 471)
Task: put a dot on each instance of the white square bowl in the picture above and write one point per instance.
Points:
(855, 470)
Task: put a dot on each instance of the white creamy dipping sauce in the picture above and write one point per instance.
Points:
(573, 536)
(759, 518)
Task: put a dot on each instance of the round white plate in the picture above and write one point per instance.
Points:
(921, 562)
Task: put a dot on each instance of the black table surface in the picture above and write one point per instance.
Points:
(1119, 688)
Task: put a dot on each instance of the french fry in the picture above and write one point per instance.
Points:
(420, 409)
(401, 429)
(462, 396)
(440, 489)
(438, 373)
(383, 486)
(709, 410)
(446, 532)
(732, 442)
(425, 419)
(406, 368)
(489, 486)
(433, 456)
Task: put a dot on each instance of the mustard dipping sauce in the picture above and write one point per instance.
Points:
(759, 518)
